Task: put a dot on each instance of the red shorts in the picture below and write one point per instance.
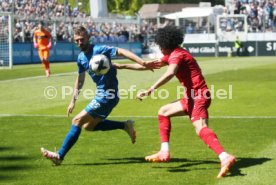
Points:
(196, 108)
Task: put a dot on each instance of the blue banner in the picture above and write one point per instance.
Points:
(62, 52)
(22, 53)
(25, 53)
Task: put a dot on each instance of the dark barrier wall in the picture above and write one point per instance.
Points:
(201, 49)
(25, 53)
(268, 48)
(247, 49)
(250, 48)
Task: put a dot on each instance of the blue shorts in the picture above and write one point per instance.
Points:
(101, 109)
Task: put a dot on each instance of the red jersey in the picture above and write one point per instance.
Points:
(189, 73)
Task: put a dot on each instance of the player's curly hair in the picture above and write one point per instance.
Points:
(169, 37)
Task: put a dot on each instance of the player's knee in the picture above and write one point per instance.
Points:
(88, 127)
(77, 121)
(199, 124)
(163, 111)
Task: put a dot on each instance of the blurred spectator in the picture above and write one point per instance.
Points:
(28, 12)
(189, 29)
(60, 19)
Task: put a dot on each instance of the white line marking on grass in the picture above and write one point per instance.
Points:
(31, 115)
(63, 116)
(38, 77)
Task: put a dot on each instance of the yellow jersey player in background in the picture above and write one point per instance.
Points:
(42, 41)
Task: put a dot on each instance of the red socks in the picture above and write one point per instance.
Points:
(210, 139)
(205, 134)
(164, 128)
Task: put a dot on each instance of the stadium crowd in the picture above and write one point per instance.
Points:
(261, 17)
(28, 12)
(261, 14)
(31, 9)
(63, 31)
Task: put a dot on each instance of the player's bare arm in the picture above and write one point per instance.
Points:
(167, 76)
(137, 67)
(130, 55)
(77, 87)
(149, 65)
(133, 57)
(156, 64)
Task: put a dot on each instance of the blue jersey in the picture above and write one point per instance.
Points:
(107, 85)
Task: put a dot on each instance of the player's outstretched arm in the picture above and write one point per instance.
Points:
(155, 64)
(167, 76)
(149, 65)
(135, 58)
(137, 67)
(130, 55)
(77, 87)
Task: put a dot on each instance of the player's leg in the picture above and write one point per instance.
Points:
(71, 138)
(41, 56)
(91, 118)
(164, 115)
(46, 63)
(78, 121)
(207, 135)
(200, 122)
(102, 110)
(108, 125)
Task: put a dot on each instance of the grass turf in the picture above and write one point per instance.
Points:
(110, 158)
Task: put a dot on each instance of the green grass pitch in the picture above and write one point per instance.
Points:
(245, 125)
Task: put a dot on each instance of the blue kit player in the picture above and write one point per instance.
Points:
(92, 118)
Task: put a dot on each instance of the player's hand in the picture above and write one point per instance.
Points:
(154, 64)
(70, 108)
(140, 95)
(35, 45)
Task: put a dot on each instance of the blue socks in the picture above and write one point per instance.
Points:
(106, 125)
(75, 131)
(69, 140)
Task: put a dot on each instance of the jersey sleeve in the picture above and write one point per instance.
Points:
(106, 50)
(165, 59)
(174, 59)
(81, 69)
(171, 59)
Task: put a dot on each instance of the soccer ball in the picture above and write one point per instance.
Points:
(99, 64)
